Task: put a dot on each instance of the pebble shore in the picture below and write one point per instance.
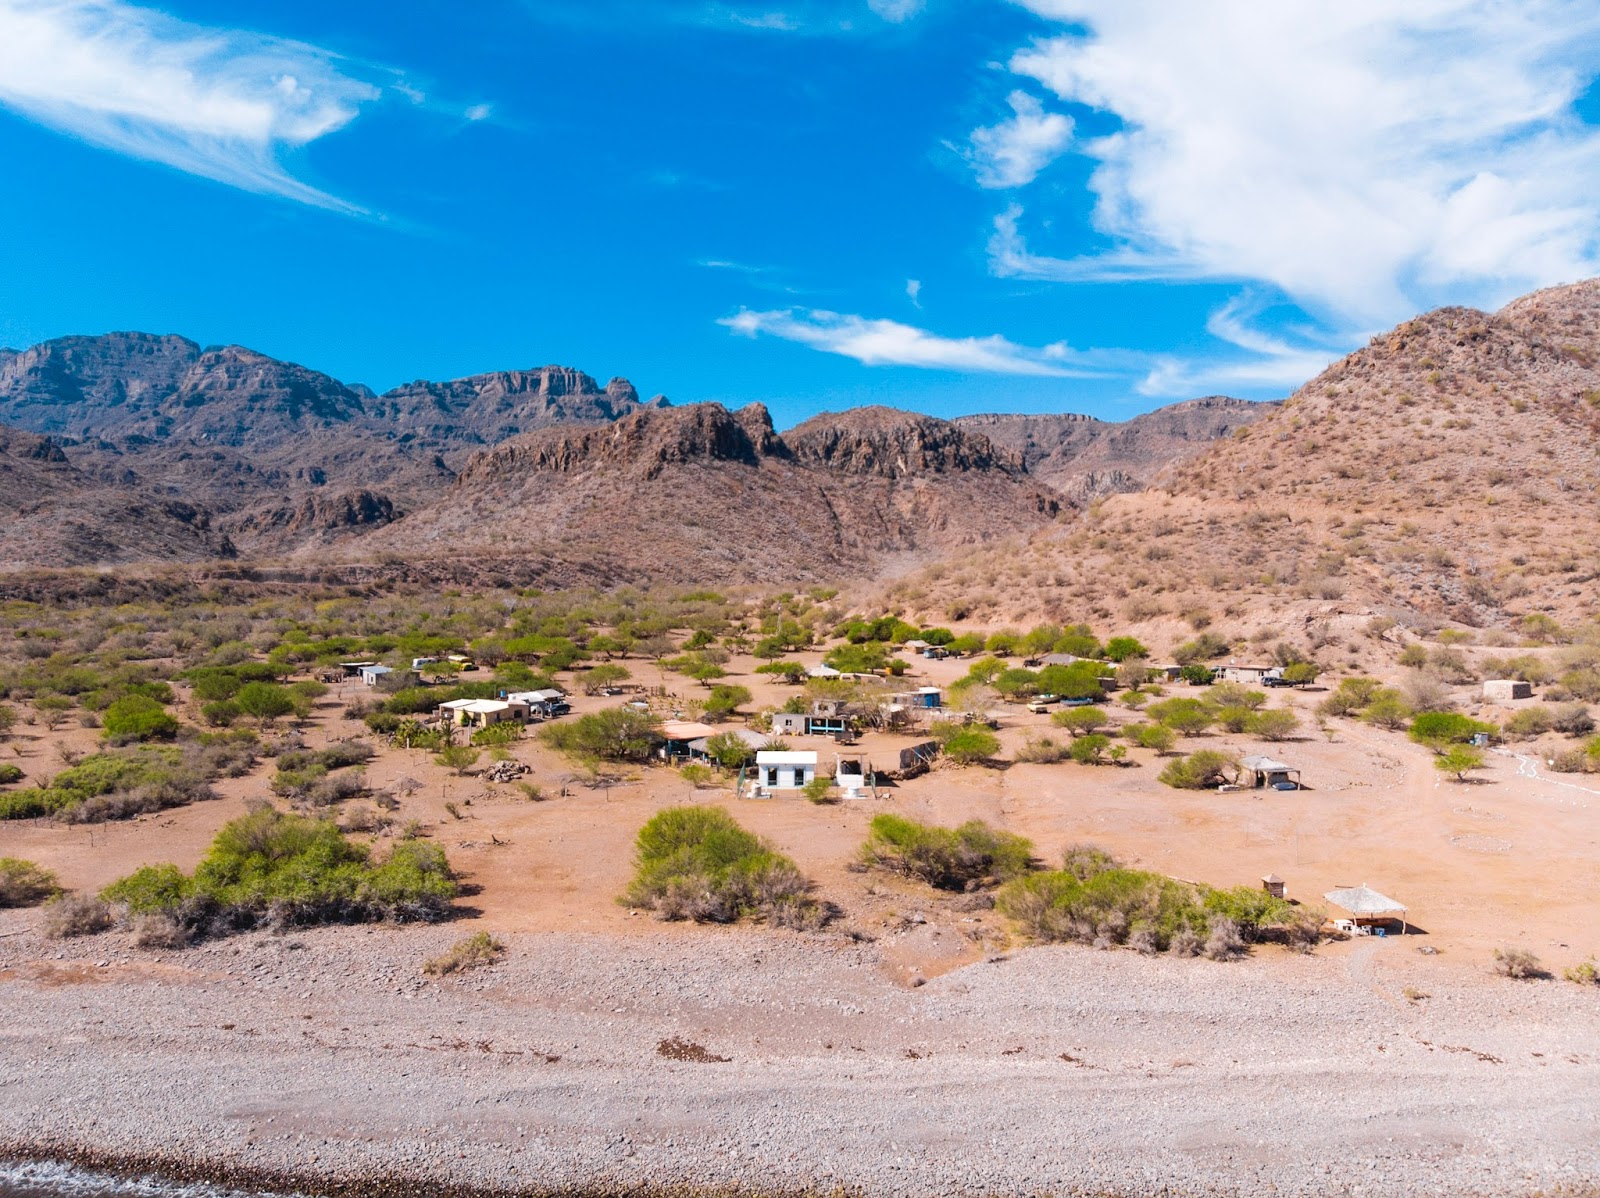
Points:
(325, 1062)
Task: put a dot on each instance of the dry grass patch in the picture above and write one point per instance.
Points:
(475, 952)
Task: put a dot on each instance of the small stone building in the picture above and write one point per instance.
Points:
(1507, 690)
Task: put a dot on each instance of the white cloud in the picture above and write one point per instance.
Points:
(890, 343)
(896, 11)
(1012, 153)
(218, 103)
(1365, 158)
(1275, 359)
(479, 112)
(914, 291)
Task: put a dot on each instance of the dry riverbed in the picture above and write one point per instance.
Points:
(785, 1062)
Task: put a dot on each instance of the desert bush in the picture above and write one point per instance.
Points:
(121, 783)
(1573, 719)
(1530, 722)
(1205, 647)
(75, 915)
(1198, 771)
(1091, 749)
(1387, 709)
(962, 858)
(969, 745)
(10, 773)
(137, 718)
(506, 732)
(1425, 693)
(1223, 941)
(1349, 697)
(265, 701)
(1084, 861)
(1439, 729)
(1517, 963)
(24, 884)
(1081, 720)
(457, 758)
(1186, 717)
(615, 734)
(1586, 974)
(271, 868)
(1152, 736)
(1102, 902)
(474, 952)
(1274, 724)
(1041, 750)
(698, 863)
(160, 930)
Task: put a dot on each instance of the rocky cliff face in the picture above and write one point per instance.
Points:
(893, 444)
(1086, 458)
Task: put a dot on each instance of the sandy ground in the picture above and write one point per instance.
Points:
(913, 1048)
(326, 1058)
(1509, 859)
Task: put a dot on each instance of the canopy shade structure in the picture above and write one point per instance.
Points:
(1366, 903)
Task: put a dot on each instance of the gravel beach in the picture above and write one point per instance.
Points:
(325, 1059)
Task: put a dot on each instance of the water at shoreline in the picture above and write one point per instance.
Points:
(50, 1179)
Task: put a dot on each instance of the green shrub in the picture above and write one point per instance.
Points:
(1084, 861)
(1436, 729)
(1041, 750)
(729, 751)
(1153, 736)
(24, 884)
(10, 773)
(946, 858)
(1350, 696)
(698, 863)
(615, 734)
(120, 783)
(286, 870)
(968, 745)
(1198, 771)
(1186, 717)
(265, 701)
(1090, 749)
(1274, 724)
(221, 712)
(506, 732)
(1095, 901)
(1081, 720)
(134, 718)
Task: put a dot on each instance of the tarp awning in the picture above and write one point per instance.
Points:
(1363, 900)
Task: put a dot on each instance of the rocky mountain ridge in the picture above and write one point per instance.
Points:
(259, 458)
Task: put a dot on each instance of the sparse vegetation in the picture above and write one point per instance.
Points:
(1517, 963)
(698, 863)
(474, 952)
(24, 884)
(962, 858)
(272, 868)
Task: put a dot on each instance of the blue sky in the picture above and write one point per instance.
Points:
(947, 205)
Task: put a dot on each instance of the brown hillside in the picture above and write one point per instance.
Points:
(1086, 458)
(702, 495)
(1448, 471)
(53, 514)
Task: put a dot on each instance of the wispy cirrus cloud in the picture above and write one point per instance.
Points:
(891, 343)
(223, 104)
(1365, 159)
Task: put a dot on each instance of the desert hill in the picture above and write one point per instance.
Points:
(699, 494)
(54, 514)
(273, 450)
(270, 459)
(1448, 471)
(1086, 458)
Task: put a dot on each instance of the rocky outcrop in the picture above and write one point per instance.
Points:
(893, 444)
(322, 513)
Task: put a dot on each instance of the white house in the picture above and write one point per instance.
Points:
(480, 713)
(370, 675)
(786, 770)
(851, 775)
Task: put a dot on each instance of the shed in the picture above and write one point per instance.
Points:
(789, 723)
(914, 759)
(371, 675)
(784, 770)
(926, 696)
(353, 668)
(1367, 906)
(1507, 690)
(853, 775)
(1273, 885)
(680, 736)
(1266, 771)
